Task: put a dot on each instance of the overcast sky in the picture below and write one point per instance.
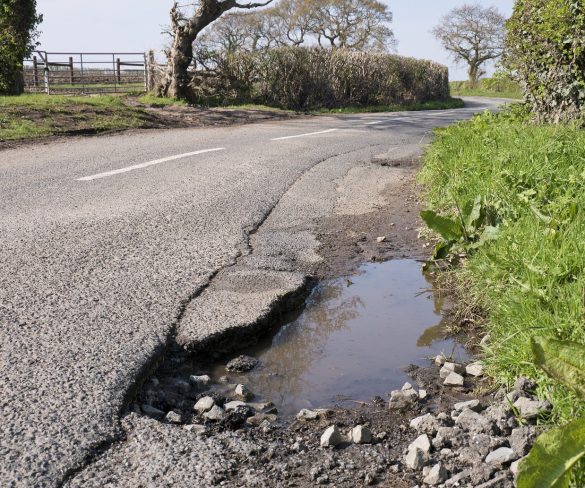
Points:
(135, 25)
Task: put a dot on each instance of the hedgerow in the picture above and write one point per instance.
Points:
(301, 78)
(546, 52)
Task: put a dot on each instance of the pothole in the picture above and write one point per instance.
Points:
(352, 341)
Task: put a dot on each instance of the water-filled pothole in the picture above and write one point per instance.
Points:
(352, 341)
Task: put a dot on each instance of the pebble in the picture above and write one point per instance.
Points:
(234, 405)
(259, 418)
(474, 369)
(306, 414)
(402, 400)
(196, 429)
(243, 393)
(425, 423)
(437, 475)
(473, 422)
(415, 459)
(361, 435)
(521, 439)
(381, 239)
(174, 417)
(215, 414)
(331, 437)
(471, 404)
(502, 455)
(422, 394)
(200, 381)
(422, 442)
(514, 467)
(242, 364)
(204, 404)
(454, 379)
(440, 360)
(530, 409)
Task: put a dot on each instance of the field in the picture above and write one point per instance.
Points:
(487, 87)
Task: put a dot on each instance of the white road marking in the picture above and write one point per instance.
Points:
(375, 122)
(304, 135)
(147, 164)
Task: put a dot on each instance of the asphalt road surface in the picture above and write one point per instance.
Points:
(109, 246)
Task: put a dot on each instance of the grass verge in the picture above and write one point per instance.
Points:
(488, 87)
(531, 280)
(410, 107)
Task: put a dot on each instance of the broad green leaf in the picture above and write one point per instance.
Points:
(562, 360)
(540, 216)
(442, 250)
(490, 233)
(472, 218)
(448, 229)
(552, 456)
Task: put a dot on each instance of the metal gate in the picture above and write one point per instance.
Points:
(52, 72)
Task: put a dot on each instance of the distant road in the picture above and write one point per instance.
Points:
(104, 239)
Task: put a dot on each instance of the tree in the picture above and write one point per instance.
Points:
(184, 30)
(18, 32)
(355, 24)
(474, 35)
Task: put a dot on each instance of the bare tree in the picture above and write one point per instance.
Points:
(474, 35)
(184, 30)
(356, 24)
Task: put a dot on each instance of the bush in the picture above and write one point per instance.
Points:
(546, 52)
(301, 78)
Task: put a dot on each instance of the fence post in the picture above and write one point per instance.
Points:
(118, 72)
(70, 70)
(46, 72)
(35, 72)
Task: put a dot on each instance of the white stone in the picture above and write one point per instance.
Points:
(514, 467)
(203, 380)
(215, 414)
(361, 435)
(437, 475)
(474, 369)
(331, 437)
(204, 404)
(422, 394)
(415, 459)
(196, 429)
(306, 414)
(406, 387)
(502, 455)
(454, 379)
(174, 417)
(422, 442)
(471, 404)
(381, 239)
(243, 393)
(440, 360)
(228, 407)
(425, 423)
(530, 409)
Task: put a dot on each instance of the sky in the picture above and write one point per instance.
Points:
(136, 25)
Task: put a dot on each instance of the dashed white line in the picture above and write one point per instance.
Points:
(304, 135)
(147, 164)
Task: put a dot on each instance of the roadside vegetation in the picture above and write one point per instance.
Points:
(497, 87)
(507, 197)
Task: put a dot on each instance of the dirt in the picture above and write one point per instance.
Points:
(67, 121)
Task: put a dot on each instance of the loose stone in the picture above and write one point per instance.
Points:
(243, 393)
(473, 422)
(174, 417)
(440, 360)
(437, 475)
(415, 459)
(530, 409)
(215, 414)
(260, 418)
(306, 414)
(381, 239)
(422, 442)
(474, 369)
(331, 437)
(521, 439)
(502, 455)
(422, 394)
(402, 400)
(200, 381)
(228, 407)
(242, 364)
(454, 379)
(204, 404)
(425, 423)
(361, 435)
(471, 404)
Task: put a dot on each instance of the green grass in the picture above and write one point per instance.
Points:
(488, 87)
(155, 101)
(37, 115)
(431, 105)
(531, 281)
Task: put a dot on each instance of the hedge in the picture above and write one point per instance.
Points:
(546, 53)
(302, 78)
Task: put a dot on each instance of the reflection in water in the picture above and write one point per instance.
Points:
(352, 341)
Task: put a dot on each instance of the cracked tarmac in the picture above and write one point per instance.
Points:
(98, 277)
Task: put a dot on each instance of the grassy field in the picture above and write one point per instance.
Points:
(488, 87)
(531, 280)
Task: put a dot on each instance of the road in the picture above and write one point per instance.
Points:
(110, 247)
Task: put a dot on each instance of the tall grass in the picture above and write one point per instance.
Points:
(498, 87)
(531, 281)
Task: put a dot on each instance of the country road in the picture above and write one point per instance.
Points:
(110, 247)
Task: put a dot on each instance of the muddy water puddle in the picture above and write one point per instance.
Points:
(353, 340)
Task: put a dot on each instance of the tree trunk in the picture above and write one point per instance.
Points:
(175, 82)
(473, 73)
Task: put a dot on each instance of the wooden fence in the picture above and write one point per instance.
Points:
(54, 72)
